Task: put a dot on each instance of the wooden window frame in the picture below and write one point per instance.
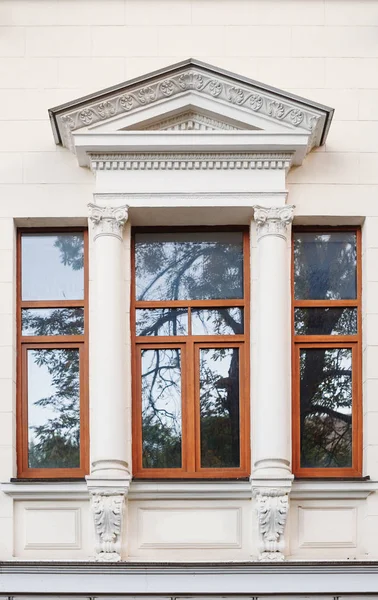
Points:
(190, 345)
(354, 342)
(25, 343)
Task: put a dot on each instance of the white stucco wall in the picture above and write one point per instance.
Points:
(53, 51)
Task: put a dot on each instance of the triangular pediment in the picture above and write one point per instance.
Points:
(190, 97)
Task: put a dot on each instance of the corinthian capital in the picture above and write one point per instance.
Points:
(273, 220)
(108, 220)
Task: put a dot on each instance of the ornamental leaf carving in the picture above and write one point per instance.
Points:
(106, 109)
(236, 95)
(167, 87)
(126, 102)
(107, 515)
(296, 116)
(215, 88)
(68, 121)
(276, 109)
(255, 102)
(86, 116)
(272, 510)
(146, 95)
(191, 81)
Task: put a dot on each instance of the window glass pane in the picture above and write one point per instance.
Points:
(161, 408)
(326, 407)
(219, 407)
(325, 265)
(52, 321)
(189, 266)
(217, 321)
(325, 321)
(53, 266)
(53, 408)
(162, 321)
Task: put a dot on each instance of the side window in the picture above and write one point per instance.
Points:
(190, 360)
(326, 353)
(52, 411)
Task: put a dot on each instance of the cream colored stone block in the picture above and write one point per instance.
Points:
(32, 204)
(58, 41)
(7, 329)
(371, 428)
(54, 167)
(335, 41)
(28, 72)
(7, 263)
(25, 136)
(368, 167)
(347, 12)
(370, 292)
(7, 394)
(164, 12)
(371, 362)
(370, 395)
(6, 362)
(368, 102)
(345, 137)
(28, 12)
(370, 528)
(292, 72)
(324, 167)
(95, 73)
(10, 168)
(6, 506)
(370, 234)
(351, 72)
(72, 12)
(31, 104)
(52, 529)
(124, 41)
(7, 463)
(258, 41)
(255, 12)
(8, 428)
(371, 329)
(140, 65)
(372, 504)
(12, 41)
(345, 102)
(371, 258)
(320, 202)
(191, 40)
(371, 459)
(6, 298)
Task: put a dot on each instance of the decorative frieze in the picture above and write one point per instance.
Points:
(191, 121)
(272, 509)
(251, 98)
(108, 220)
(107, 508)
(195, 161)
(273, 220)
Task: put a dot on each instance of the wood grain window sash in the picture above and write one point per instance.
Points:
(328, 342)
(190, 398)
(53, 342)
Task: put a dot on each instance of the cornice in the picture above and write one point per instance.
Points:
(187, 161)
(205, 80)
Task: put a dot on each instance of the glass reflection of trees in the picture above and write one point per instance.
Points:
(326, 407)
(186, 267)
(325, 269)
(55, 443)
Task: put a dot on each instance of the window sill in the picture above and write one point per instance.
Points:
(190, 490)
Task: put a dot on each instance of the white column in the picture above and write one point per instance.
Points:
(271, 474)
(109, 480)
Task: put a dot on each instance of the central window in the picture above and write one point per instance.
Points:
(190, 331)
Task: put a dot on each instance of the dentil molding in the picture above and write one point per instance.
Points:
(108, 220)
(273, 220)
(190, 161)
(272, 510)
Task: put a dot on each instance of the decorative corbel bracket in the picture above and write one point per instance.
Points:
(272, 510)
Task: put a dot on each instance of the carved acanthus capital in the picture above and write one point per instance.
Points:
(272, 509)
(108, 220)
(273, 220)
(107, 509)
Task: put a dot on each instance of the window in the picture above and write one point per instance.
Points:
(326, 352)
(190, 332)
(52, 356)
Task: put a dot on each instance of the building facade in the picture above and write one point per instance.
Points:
(188, 298)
